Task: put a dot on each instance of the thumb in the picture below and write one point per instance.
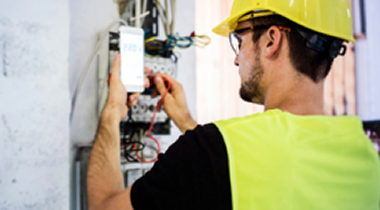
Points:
(116, 66)
(160, 85)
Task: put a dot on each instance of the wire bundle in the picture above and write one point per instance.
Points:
(140, 11)
(165, 48)
(167, 18)
(128, 142)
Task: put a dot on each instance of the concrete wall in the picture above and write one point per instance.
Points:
(34, 104)
(368, 65)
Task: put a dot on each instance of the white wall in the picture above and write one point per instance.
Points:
(34, 104)
(368, 65)
(87, 20)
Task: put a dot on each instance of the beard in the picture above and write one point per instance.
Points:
(251, 90)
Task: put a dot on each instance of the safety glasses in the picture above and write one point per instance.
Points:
(235, 40)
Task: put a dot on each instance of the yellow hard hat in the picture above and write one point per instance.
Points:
(330, 17)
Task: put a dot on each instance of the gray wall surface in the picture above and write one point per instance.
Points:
(34, 104)
(368, 64)
(87, 20)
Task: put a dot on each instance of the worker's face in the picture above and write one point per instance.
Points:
(250, 68)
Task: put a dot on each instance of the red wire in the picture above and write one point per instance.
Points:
(151, 127)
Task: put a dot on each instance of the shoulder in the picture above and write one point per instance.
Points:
(192, 174)
(241, 120)
(204, 139)
(202, 132)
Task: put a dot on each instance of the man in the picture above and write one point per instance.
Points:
(289, 157)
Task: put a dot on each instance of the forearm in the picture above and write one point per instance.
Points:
(186, 124)
(104, 178)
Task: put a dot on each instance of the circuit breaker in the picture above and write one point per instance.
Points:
(142, 112)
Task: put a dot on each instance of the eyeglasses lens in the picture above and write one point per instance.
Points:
(235, 43)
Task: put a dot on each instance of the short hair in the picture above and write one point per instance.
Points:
(316, 65)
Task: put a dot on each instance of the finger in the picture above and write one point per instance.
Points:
(134, 96)
(175, 86)
(160, 84)
(116, 67)
(147, 70)
(131, 104)
(165, 76)
(154, 93)
(146, 82)
(132, 99)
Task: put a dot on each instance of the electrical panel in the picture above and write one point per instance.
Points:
(147, 117)
(136, 146)
(147, 120)
(142, 112)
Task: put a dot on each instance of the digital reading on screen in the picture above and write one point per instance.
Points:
(132, 58)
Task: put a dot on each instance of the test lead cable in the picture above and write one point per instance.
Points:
(149, 134)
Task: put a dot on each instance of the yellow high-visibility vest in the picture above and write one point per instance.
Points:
(278, 160)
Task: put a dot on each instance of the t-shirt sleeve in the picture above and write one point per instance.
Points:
(192, 174)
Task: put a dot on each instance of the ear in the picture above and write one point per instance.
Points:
(273, 41)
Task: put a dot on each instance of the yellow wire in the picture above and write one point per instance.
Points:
(150, 39)
(201, 40)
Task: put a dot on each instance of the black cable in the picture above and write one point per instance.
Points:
(127, 155)
(128, 133)
(126, 139)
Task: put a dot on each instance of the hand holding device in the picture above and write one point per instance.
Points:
(117, 98)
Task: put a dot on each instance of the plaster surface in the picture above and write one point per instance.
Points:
(34, 105)
(87, 20)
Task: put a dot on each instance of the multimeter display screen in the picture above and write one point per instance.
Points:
(132, 59)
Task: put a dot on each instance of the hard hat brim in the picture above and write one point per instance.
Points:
(229, 24)
(224, 28)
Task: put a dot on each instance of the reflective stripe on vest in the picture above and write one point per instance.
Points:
(278, 160)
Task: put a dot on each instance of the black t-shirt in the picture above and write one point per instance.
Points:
(192, 174)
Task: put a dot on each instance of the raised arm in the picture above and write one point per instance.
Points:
(175, 102)
(105, 184)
